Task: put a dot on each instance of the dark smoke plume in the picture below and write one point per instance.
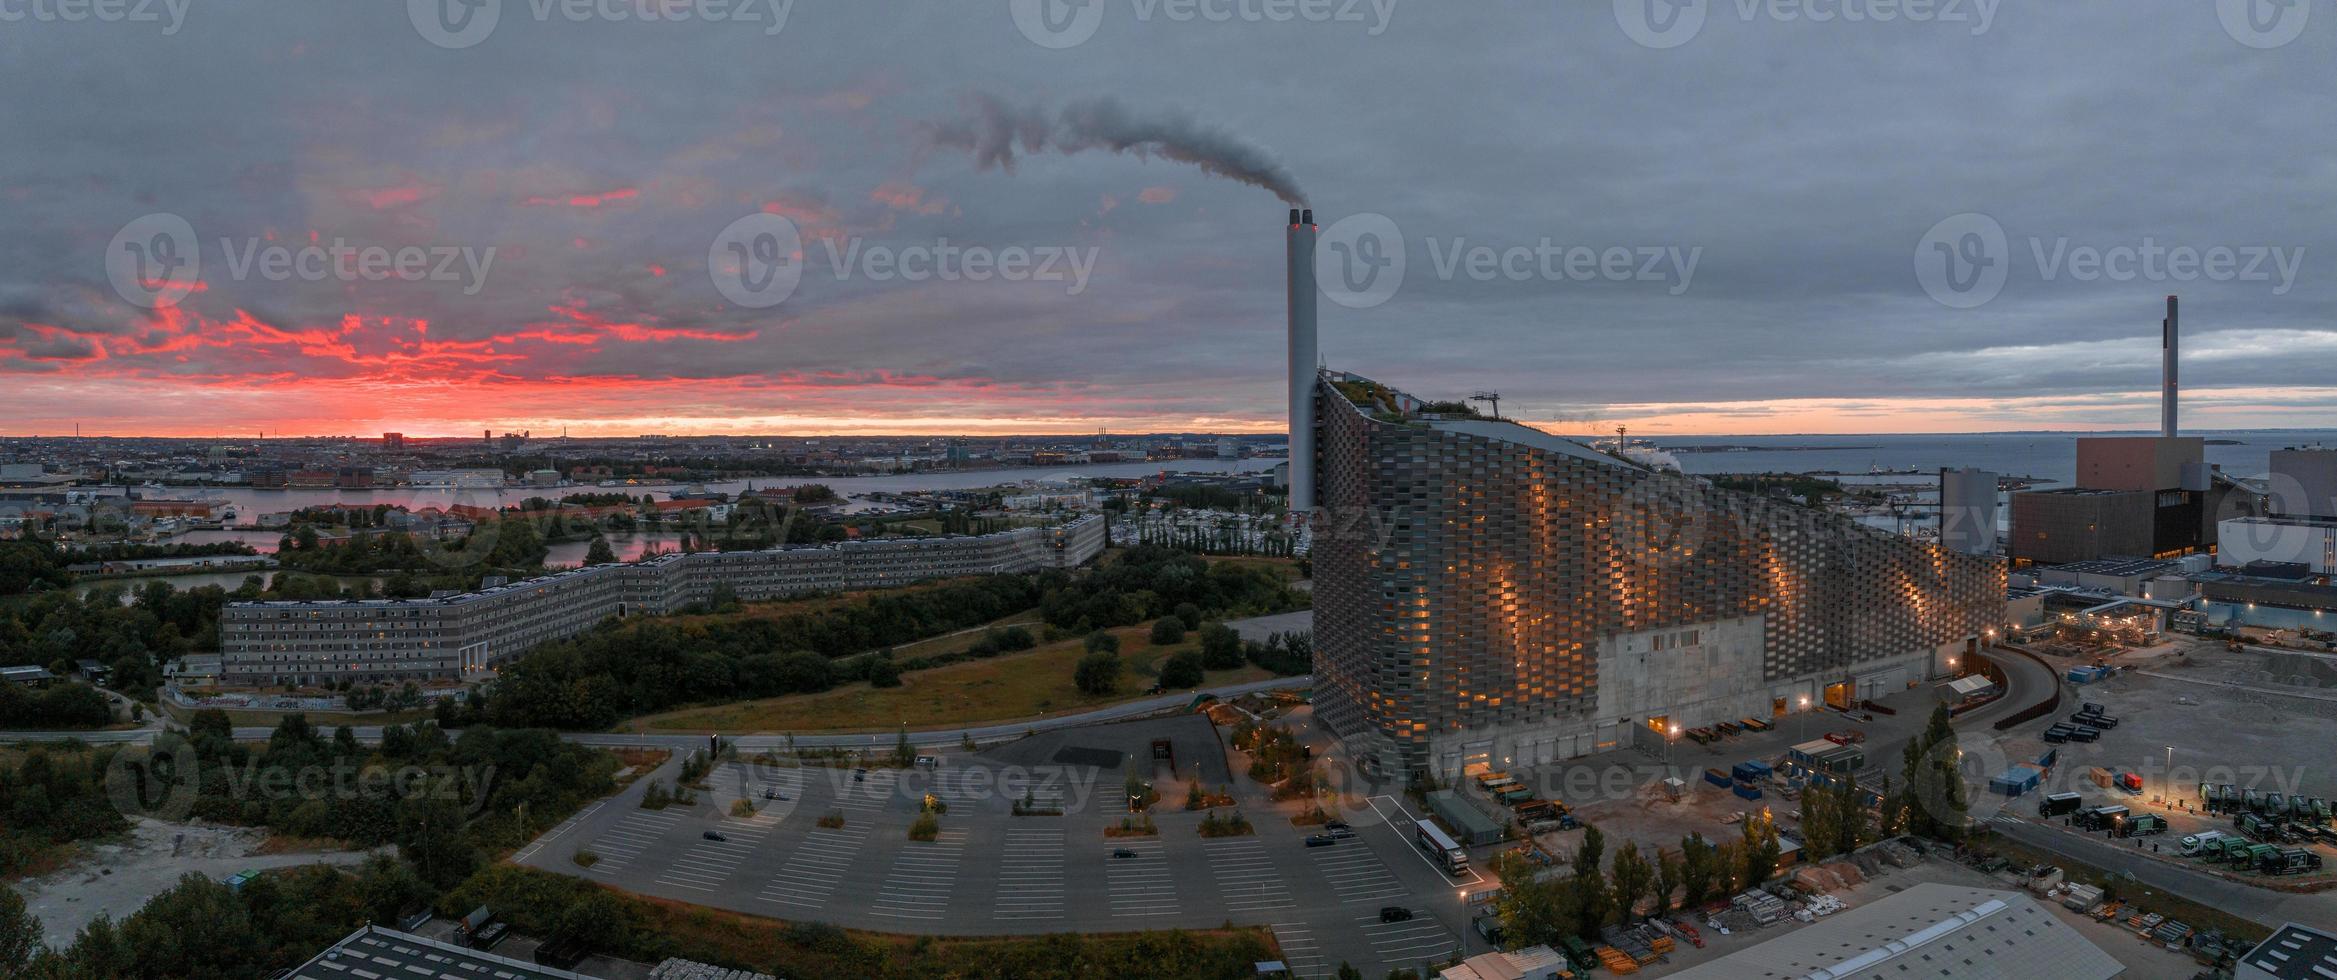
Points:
(995, 132)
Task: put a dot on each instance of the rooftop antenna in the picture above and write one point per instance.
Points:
(1493, 397)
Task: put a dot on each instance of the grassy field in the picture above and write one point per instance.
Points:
(1028, 685)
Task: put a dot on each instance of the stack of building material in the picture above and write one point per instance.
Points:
(1848, 872)
(681, 969)
(1762, 906)
(1616, 960)
(1900, 855)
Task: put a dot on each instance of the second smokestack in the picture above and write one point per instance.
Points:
(2170, 344)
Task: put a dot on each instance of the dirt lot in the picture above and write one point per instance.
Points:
(117, 878)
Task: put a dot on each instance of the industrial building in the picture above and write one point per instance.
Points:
(2134, 496)
(1967, 510)
(305, 643)
(1930, 931)
(374, 953)
(1487, 593)
(2293, 953)
(2304, 482)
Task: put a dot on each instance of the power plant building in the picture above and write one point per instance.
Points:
(1490, 594)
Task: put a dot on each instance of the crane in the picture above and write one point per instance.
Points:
(1493, 397)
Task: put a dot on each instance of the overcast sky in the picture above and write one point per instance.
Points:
(1807, 167)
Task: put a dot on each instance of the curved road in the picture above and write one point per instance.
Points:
(921, 738)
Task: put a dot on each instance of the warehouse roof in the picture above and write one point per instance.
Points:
(373, 953)
(2294, 953)
(1928, 932)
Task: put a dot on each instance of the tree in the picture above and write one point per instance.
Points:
(1347, 971)
(882, 672)
(1695, 870)
(1760, 848)
(1098, 673)
(1168, 631)
(1820, 818)
(1534, 910)
(1182, 671)
(1667, 880)
(1102, 642)
(1631, 878)
(599, 553)
(1221, 647)
(20, 933)
(1591, 898)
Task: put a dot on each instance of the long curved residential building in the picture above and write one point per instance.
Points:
(1490, 594)
(461, 636)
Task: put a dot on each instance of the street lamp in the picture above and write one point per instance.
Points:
(1805, 717)
(1674, 736)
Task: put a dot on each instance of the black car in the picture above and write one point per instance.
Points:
(1122, 852)
(1321, 840)
(1335, 825)
(1395, 913)
(714, 835)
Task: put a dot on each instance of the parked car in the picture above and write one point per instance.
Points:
(1395, 913)
(1321, 840)
(714, 835)
(1338, 833)
(1335, 825)
(1122, 852)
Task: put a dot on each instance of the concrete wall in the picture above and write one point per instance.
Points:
(2269, 539)
(2304, 482)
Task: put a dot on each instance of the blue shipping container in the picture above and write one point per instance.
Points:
(1747, 791)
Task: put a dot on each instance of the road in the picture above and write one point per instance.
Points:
(2271, 908)
(923, 738)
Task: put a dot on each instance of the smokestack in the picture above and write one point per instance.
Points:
(1302, 363)
(2169, 342)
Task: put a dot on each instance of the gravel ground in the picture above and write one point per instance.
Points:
(118, 878)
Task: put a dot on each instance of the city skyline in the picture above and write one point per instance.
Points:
(563, 230)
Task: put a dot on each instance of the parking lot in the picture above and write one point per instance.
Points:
(992, 872)
(2189, 711)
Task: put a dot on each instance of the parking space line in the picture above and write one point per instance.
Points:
(1356, 873)
(557, 832)
(1246, 876)
(922, 880)
(1030, 876)
(1404, 828)
(1139, 885)
(814, 869)
(708, 863)
(1408, 941)
(1299, 952)
(633, 833)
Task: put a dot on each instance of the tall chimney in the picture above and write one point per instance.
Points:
(1301, 276)
(2169, 342)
